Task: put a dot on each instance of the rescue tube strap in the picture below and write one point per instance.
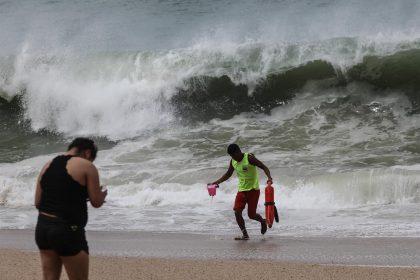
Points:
(276, 215)
(269, 203)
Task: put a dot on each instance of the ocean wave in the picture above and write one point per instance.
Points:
(206, 98)
(397, 71)
(121, 95)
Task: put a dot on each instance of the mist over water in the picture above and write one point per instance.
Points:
(325, 93)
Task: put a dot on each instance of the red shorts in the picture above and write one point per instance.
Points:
(250, 198)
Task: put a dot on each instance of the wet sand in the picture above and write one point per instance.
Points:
(140, 255)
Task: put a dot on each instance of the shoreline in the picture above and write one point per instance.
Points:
(358, 251)
(152, 255)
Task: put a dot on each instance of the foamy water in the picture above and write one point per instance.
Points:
(158, 182)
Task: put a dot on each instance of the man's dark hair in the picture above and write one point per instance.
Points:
(83, 144)
(233, 148)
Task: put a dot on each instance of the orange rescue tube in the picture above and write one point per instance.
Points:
(269, 205)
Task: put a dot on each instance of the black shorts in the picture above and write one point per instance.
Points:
(58, 235)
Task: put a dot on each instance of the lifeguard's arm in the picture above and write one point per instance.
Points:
(225, 176)
(96, 195)
(254, 161)
(38, 190)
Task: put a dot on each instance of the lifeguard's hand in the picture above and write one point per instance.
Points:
(270, 180)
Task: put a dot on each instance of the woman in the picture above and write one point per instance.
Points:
(63, 188)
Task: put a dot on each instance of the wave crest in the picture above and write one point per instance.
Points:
(121, 95)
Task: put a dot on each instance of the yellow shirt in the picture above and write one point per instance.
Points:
(247, 174)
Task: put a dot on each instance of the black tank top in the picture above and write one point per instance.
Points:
(61, 195)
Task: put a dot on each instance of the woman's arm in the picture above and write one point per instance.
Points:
(38, 190)
(96, 195)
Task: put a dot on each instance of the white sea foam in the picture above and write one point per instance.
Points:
(168, 193)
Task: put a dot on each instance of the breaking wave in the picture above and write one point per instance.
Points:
(122, 95)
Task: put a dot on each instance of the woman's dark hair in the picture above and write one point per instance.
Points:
(233, 148)
(83, 144)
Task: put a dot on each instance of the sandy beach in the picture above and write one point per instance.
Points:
(16, 264)
(140, 255)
